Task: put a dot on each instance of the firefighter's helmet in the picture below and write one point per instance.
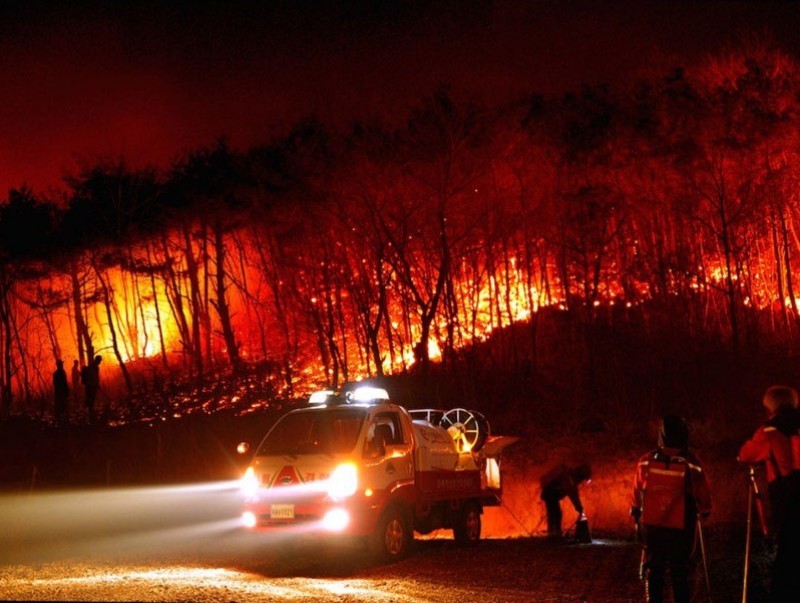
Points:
(673, 432)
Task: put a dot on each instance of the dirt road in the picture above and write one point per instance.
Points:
(498, 570)
(231, 569)
(183, 544)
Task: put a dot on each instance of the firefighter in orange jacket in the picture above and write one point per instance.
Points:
(670, 494)
(776, 444)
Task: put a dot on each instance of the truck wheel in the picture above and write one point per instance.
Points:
(467, 531)
(393, 537)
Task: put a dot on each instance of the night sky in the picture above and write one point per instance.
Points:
(145, 80)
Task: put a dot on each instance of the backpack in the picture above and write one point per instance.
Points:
(665, 493)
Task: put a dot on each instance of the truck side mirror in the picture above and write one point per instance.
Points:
(375, 448)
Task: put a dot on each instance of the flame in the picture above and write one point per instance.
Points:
(142, 306)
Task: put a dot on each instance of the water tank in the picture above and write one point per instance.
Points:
(436, 450)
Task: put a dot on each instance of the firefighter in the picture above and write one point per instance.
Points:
(776, 444)
(670, 494)
(558, 483)
(90, 376)
(61, 393)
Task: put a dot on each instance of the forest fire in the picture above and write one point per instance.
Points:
(576, 219)
(136, 309)
(327, 257)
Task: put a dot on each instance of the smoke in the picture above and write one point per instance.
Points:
(149, 79)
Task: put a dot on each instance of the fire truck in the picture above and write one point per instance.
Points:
(359, 465)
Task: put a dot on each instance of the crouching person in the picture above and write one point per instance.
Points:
(670, 495)
(562, 482)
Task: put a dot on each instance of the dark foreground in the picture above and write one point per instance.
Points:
(182, 544)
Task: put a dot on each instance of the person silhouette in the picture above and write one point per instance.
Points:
(562, 482)
(76, 384)
(60, 393)
(671, 493)
(775, 444)
(91, 383)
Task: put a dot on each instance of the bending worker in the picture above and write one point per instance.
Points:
(558, 483)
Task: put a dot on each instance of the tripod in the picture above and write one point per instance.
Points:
(699, 525)
(753, 496)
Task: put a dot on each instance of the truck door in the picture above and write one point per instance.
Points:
(388, 451)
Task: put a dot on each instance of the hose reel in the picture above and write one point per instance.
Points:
(470, 426)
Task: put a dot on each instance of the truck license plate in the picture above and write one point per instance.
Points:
(281, 511)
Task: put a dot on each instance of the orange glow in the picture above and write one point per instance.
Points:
(143, 310)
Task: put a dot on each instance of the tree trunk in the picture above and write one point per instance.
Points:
(196, 302)
(6, 343)
(85, 346)
(787, 264)
(164, 360)
(112, 330)
(221, 303)
(172, 290)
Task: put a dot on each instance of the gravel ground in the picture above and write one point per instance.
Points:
(234, 568)
(184, 544)
(498, 570)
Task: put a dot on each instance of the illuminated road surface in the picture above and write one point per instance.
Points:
(183, 544)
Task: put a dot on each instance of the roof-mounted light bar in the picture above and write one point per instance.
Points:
(368, 394)
(320, 397)
(361, 395)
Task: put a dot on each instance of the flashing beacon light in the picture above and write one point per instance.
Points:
(320, 397)
(367, 394)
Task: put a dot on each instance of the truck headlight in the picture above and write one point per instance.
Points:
(249, 483)
(248, 519)
(343, 481)
(336, 520)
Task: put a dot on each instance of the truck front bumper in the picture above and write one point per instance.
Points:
(356, 515)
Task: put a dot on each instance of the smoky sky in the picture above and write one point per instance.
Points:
(82, 81)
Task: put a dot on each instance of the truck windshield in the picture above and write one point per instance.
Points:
(314, 432)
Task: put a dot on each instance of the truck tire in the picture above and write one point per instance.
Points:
(467, 531)
(392, 538)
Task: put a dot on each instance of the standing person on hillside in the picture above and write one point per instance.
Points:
(60, 393)
(91, 383)
(562, 482)
(76, 384)
(776, 443)
(670, 495)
